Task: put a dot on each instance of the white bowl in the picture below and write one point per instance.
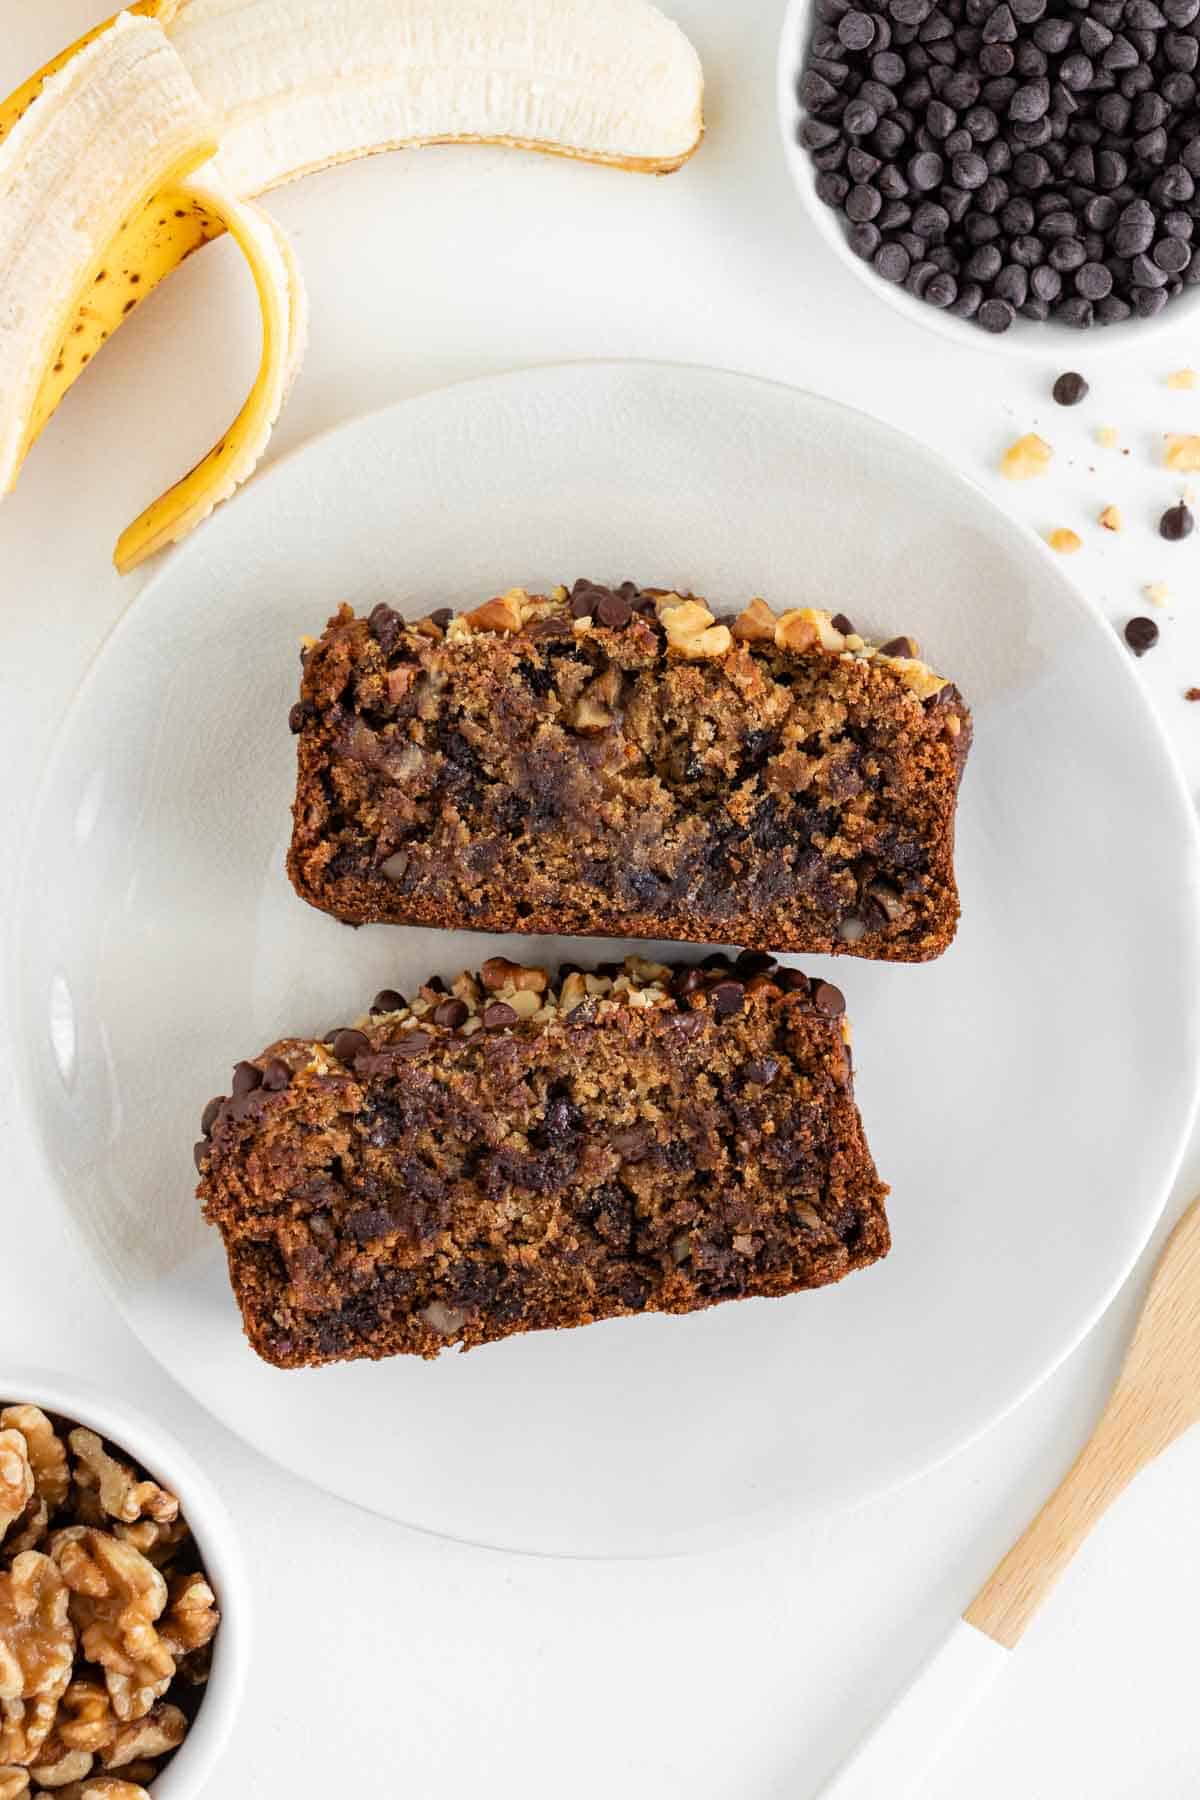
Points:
(186, 1775)
(1043, 341)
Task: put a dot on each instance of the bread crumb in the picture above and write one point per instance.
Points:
(1107, 436)
(1066, 542)
(1182, 378)
(1111, 518)
(1156, 592)
(1182, 452)
(1029, 456)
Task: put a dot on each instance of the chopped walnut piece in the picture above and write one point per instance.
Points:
(103, 1787)
(116, 1597)
(121, 1494)
(162, 1730)
(588, 715)
(47, 1452)
(1182, 453)
(806, 626)
(14, 1782)
(1157, 592)
(501, 976)
(37, 1649)
(30, 1528)
(755, 624)
(57, 1767)
(1182, 378)
(573, 994)
(501, 614)
(191, 1618)
(1111, 519)
(86, 1720)
(1107, 436)
(16, 1478)
(1065, 541)
(691, 629)
(157, 1543)
(1031, 455)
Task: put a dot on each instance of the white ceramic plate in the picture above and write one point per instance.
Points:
(1027, 1096)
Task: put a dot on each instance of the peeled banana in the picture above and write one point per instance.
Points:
(151, 136)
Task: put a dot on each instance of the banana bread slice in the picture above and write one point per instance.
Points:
(618, 763)
(520, 1153)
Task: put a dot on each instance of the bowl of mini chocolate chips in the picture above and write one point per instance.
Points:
(989, 165)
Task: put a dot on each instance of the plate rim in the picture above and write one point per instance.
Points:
(794, 1506)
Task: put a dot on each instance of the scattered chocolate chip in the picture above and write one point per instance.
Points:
(276, 1076)
(754, 962)
(387, 1000)
(841, 623)
(245, 1079)
(451, 1014)
(1070, 388)
(297, 717)
(608, 971)
(208, 1117)
(1141, 635)
(1176, 523)
(898, 646)
(685, 982)
(718, 960)
(828, 999)
(411, 1043)
(498, 1016)
(442, 617)
(200, 1154)
(347, 1044)
(729, 997)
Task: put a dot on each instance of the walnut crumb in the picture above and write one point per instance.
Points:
(1182, 452)
(1111, 519)
(1156, 592)
(1065, 541)
(1107, 436)
(1031, 455)
(1182, 378)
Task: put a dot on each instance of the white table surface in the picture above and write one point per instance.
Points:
(389, 1662)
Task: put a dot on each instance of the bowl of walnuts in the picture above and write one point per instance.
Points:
(122, 1602)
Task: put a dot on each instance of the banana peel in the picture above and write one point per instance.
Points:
(274, 90)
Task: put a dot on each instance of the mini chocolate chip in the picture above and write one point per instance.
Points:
(613, 611)
(385, 626)
(245, 1079)
(689, 1023)
(276, 1076)
(1176, 523)
(498, 1016)
(200, 1154)
(631, 1146)
(728, 997)
(608, 971)
(209, 1116)
(763, 1072)
(387, 1000)
(792, 981)
(754, 962)
(442, 617)
(828, 999)
(841, 623)
(685, 982)
(297, 717)
(411, 1043)
(1070, 389)
(898, 646)
(1141, 635)
(347, 1044)
(451, 1014)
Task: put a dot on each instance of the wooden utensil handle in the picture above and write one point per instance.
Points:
(1016, 1588)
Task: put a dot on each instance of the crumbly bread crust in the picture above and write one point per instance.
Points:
(521, 1152)
(618, 762)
